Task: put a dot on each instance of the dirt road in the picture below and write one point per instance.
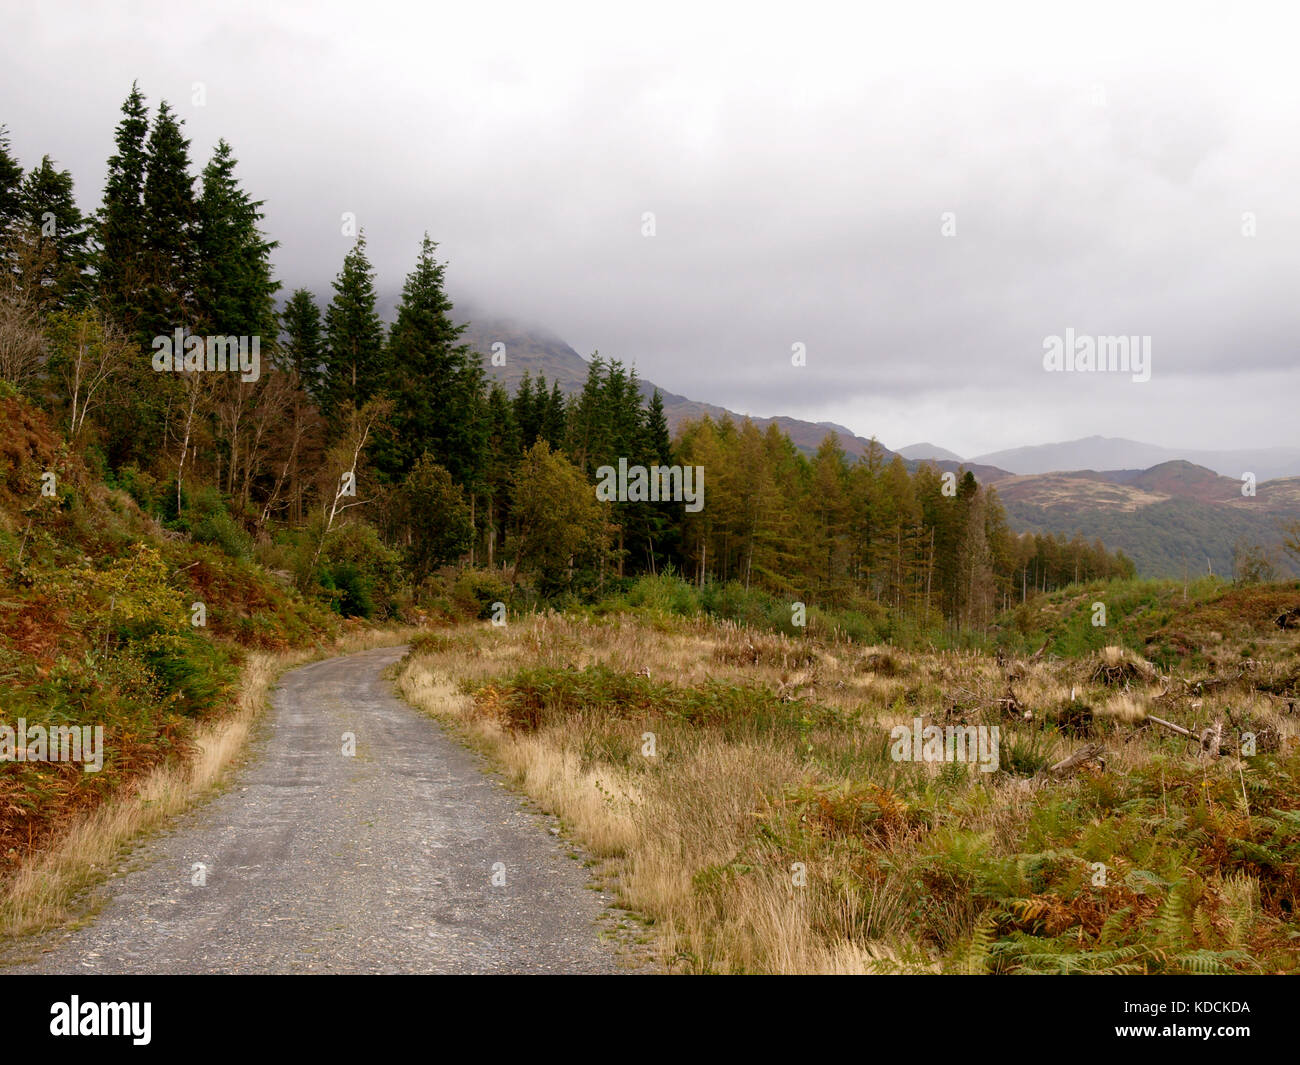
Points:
(314, 861)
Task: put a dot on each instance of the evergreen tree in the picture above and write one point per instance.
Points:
(55, 221)
(235, 294)
(554, 420)
(120, 264)
(503, 455)
(436, 382)
(11, 176)
(354, 336)
(170, 216)
(526, 412)
(657, 441)
(302, 345)
(588, 430)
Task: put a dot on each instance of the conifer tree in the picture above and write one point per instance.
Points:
(554, 420)
(168, 242)
(57, 225)
(11, 176)
(302, 345)
(235, 293)
(525, 409)
(503, 455)
(120, 265)
(436, 382)
(354, 336)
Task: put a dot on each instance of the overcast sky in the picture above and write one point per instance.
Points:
(798, 161)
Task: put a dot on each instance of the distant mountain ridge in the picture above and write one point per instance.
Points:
(1171, 519)
(921, 452)
(1117, 453)
(539, 352)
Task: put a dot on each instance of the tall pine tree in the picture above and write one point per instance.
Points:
(11, 176)
(354, 336)
(170, 216)
(120, 260)
(436, 382)
(57, 224)
(302, 345)
(235, 294)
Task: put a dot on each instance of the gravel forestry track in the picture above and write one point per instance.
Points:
(317, 862)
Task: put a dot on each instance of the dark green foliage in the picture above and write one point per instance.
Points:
(362, 576)
(436, 382)
(193, 674)
(169, 220)
(354, 358)
(436, 517)
(11, 176)
(50, 207)
(235, 294)
(303, 344)
(120, 263)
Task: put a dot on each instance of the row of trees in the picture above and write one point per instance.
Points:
(395, 432)
(841, 531)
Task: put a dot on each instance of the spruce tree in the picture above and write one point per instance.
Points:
(57, 224)
(120, 260)
(525, 410)
(437, 383)
(658, 444)
(554, 420)
(354, 336)
(170, 216)
(235, 293)
(303, 343)
(11, 176)
(503, 455)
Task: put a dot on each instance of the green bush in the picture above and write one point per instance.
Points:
(362, 575)
(218, 528)
(193, 672)
(476, 590)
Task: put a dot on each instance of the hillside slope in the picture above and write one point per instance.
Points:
(108, 620)
(1172, 520)
(538, 352)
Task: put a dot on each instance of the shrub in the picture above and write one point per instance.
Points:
(476, 590)
(363, 575)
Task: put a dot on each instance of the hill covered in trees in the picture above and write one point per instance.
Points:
(372, 463)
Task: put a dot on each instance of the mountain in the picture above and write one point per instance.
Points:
(1116, 453)
(929, 451)
(540, 352)
(1171, 519)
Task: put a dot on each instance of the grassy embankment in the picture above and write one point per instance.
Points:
(772, 753)
(97, 629)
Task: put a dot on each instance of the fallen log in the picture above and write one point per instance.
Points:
(1170, 726)
(1209, 739)
(1084, 754)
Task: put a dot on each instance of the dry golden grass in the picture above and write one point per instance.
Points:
(41, 893)
(697, 810)
(677, 834)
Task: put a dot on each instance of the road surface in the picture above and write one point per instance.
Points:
(317, 862)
